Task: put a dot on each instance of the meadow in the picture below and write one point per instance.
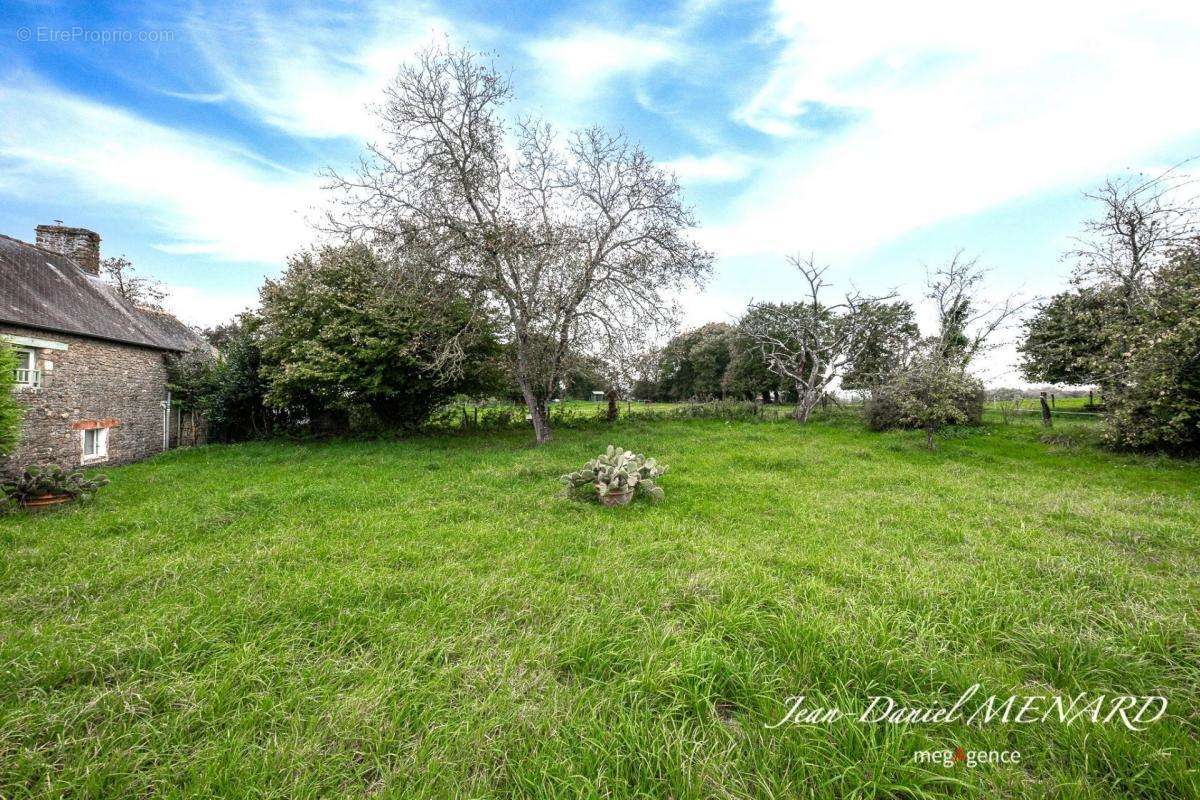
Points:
(432, 617)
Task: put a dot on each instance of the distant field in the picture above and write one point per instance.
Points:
(432, 618)
(1058, 404)
(592, 406)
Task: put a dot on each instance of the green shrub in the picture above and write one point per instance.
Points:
(10, 410)
(718, 409)
(230, 389)
(345, 330)
(1068, 439)
(1156, 407)
(883, 412)
(927, 394)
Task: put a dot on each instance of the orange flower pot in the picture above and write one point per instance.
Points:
(616, 498)
(46, 500)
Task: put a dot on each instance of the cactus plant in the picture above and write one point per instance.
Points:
(616, 475)
(50, 481)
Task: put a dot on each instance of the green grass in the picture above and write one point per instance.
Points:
(431, 618)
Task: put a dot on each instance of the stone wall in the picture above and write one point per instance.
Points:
(91, 384)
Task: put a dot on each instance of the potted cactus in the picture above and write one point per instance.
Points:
(616, 475)
(41, 487)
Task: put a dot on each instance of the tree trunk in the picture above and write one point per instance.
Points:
(612, 405)
(929, 438)
(804, 402)
(1045, 411)
(541, 421)
(537, 412)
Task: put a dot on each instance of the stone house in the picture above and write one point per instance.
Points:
(91, 366)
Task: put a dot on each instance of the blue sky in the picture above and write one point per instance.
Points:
(880, 136)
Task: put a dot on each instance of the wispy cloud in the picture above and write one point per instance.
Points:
(314, 71)
(713, 168)
(577, 64)
(201, 195)
(841, 129)
(959, 109)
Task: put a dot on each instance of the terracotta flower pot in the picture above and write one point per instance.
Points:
(616, 498)
(46, 500)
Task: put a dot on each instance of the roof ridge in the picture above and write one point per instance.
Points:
(46, 250)
(48, 290)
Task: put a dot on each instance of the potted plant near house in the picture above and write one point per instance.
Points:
(616, 475)
(44, 486)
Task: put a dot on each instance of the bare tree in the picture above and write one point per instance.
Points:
(145, 292)
(967, 321)
(1143, 220)
(570, 245)
(810, 342)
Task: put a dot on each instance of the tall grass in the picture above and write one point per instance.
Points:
(432, 618)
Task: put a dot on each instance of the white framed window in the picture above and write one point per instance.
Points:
(27, 373)
(95, 444)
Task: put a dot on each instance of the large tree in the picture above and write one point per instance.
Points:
(811, 343)
(574, 244)
(889, 334)
(710, 356)
(583, 375)
(748, 374)
(228, 389)
(693, 364)
(1143, 221)
(968, 322)
(1065, 337)
(1130, 322)
(1157, 356)
(340, 337)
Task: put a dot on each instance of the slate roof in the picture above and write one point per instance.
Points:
(47, 290)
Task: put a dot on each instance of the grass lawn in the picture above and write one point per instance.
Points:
(431, 618)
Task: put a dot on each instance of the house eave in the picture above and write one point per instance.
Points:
(85, 335)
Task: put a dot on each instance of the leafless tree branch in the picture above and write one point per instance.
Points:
(573, 244)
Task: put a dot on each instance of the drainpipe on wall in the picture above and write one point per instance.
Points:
(166, 407)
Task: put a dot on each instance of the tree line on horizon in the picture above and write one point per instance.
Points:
(492, 257)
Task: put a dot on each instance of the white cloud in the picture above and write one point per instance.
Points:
(313, 72)
(204, 195)
(959, 107)
(206, 307)
(701, 306)
(715, 168)
(577, 64)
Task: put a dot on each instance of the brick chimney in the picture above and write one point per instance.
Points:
(80, 244)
